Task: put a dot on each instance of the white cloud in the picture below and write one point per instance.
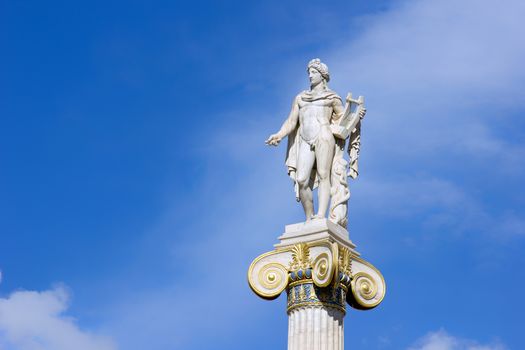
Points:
(423, 45)
(442, 81)
(408, 196)
(436, 205)
(32, 320)
(441, 340)
(440, 77)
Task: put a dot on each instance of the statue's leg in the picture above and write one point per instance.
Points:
(324, 153)
(305, 163)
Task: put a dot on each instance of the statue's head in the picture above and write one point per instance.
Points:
(317, 72)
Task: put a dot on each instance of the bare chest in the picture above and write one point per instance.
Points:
(317, 111)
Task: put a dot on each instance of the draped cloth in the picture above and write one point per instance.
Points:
(354, 146)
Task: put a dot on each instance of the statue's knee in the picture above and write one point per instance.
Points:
(323, 175)
(302, 181)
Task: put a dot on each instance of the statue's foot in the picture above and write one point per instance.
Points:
(310, 217)
(318, 216)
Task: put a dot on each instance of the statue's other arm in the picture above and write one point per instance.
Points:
(288, 126)
(351, 119)
(337, 106)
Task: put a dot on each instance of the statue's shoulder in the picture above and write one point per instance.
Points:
(303, 94)
(309, 96)
(332, 94)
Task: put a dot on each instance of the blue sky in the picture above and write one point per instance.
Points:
(135, 186)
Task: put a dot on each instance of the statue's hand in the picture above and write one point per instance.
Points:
(273, 140)
(362, 113)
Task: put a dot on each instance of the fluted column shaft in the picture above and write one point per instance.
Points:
(315, 328)
(315, 315)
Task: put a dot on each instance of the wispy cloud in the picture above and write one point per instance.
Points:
(441, 77)
(212, 239)
(435, 205)
(441, 340)
(32, 320)
(443, 83)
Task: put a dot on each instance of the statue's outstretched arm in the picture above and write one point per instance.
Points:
(288, 126)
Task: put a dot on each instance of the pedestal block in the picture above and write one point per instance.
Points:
(318, 266)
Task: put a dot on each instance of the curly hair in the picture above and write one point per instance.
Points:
(320, 67)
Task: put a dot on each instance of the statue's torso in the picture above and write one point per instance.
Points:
(314, 118)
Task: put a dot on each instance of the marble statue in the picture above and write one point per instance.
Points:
(315, 262)
(318, 128)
